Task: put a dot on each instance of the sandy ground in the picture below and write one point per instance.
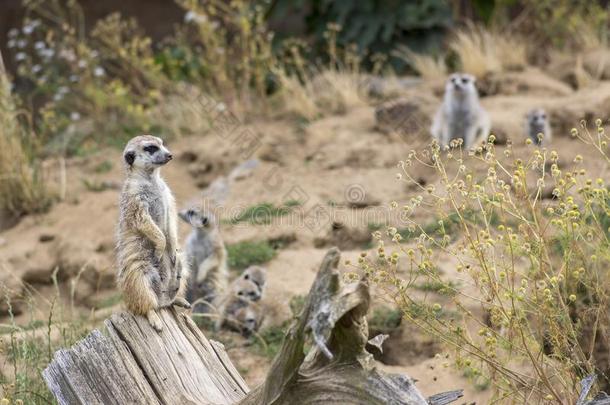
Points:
(328, 164)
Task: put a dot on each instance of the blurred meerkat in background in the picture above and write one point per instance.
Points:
(207, 256)
(460, 116)
(537, 126)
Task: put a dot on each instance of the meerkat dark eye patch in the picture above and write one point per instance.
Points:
(130, 157)
(465, 80)
(151, 149)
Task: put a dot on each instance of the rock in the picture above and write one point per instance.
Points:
(45, 237)
(408, 118)
(344, 237)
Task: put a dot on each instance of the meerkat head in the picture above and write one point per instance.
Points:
(146, 152)
(537, 117)
(246, 290)
(537, 123)
(461, 84)
(255, 274)
(198, 218)
(247, 319)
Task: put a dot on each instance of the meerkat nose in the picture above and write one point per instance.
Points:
(170, 156)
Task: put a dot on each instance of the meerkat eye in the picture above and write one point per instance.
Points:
(204, 220)
(465, 80)
(247, 277)
(151, 149)
(543, 116)
(241, 293)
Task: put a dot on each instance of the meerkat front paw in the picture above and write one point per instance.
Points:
(155, 320)
(181, 302)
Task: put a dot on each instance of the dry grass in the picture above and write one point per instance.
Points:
(329, 91)
(21, 189)
(429, 67)
(481, 51)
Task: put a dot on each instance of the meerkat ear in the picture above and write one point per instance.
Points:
(130, 157)
(184, 215)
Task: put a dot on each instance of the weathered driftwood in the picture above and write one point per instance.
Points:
(135, 364)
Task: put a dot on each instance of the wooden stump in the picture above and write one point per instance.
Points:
(133, 364)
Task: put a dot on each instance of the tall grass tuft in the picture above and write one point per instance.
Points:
(481, 51)
(21, 188)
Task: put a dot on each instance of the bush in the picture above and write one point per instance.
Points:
(538, 322)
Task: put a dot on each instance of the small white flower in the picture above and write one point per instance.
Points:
(35, 24)
(189, 16)
(47, 53)
(82, 64)
(20, 56)
(58, 97)
(22, 43)
(13, 33)
(11, 43)
(28, 29)
(74, 116)
(36, 68)
(94, 54)
(192, 16)
(99, 71)
(74, 78)
(221, 107)
(68, 55)
(39, 45)
(63, 90)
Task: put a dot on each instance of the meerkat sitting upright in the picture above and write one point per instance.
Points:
(151, 271)
(461, 115)
(207, 258)
(537, 126)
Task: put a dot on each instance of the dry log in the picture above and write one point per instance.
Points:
(133, 364)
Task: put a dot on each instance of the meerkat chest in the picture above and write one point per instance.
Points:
(159, 202)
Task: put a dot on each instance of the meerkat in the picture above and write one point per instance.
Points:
(246, 320)
(241, 294)
(537, 123)
(151, 269)
(257, 275)
(207, 258)
(461, 115)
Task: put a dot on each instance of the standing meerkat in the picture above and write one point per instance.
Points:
(537, 123)
(151, 271)
(461, 115)
(207, 257)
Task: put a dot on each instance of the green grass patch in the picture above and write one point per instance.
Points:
(384, 320)
(103, 167)
(109, 301)
(450, 225)
(263, 213)
(248, 253)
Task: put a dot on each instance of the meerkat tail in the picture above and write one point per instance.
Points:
(137, 292)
